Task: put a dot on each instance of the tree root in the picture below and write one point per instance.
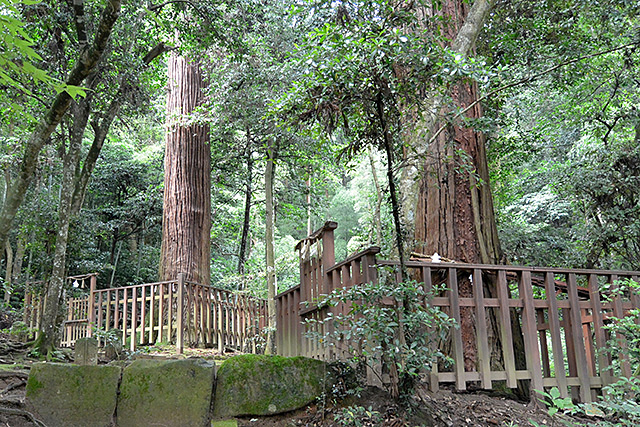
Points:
(22, 412)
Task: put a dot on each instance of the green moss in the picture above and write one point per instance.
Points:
(71, 395)
(33, 387)
(158, 392)
(260, 385)
(225, 423)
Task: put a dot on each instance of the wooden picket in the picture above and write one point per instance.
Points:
(562, 322)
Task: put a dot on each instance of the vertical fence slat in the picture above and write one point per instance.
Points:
(530, 333)
(179, 316)
(458, 349)
(598, 330)
(91, 317)
(619, 313)
(506, 334)
(134, 318)
(578, 339)
(484, 355)
(153, 290)
(554, 330)
(635, 297)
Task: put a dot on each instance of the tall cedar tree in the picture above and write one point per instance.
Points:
(186, 219)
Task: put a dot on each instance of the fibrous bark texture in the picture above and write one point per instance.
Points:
(454, 214)
(186, 219)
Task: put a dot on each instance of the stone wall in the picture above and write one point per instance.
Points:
(172, 392)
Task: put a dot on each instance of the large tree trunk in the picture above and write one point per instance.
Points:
(186, 219)
(418, 148)
(272, 285)
(454, 213)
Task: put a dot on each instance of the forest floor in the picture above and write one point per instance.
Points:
(445, 408)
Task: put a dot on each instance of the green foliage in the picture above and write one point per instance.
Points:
(358, 416)
(17, 55)
(388, 322)
(555, 403)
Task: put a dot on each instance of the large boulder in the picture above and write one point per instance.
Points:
(265, 385)
(71, 395)
(171, 392)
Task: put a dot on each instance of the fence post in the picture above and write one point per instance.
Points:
(179, 315)
(91, 318)
(328, 256)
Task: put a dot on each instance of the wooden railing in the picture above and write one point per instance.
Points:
(562, 328)
(181, 312)
(558, 315)
(75, 324)
(186, 313)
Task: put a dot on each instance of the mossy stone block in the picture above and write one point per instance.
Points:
(265, 385)
(166, 392)
(71, 395)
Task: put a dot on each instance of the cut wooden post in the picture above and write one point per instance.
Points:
(598, 330)
(328, 257)
(179, 314)
(91, 309)
(152, 311)
(484, 355)
(125, 318)
(619, 313)
(529, 328)
(554, 330)
(544, 350)
(134, 318)
(143, 313)
(458, 350)
(578, 339)
(506, 333)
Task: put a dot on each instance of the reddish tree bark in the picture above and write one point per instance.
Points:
(454, 214)
(186, 219)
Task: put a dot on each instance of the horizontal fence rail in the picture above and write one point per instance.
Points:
(180, 312)
(187, 313)
(544, 325)
(561, 314)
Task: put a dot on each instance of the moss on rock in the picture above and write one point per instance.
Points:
(172, 392)
(264, 385)
(70, 395)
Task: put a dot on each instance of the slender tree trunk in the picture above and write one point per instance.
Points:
(393, 193)
(186, 220)
(272, 285)
(18, 259)
(378, 207)
(8, 273)
(248, 195)
(86, 63)
(58, 272)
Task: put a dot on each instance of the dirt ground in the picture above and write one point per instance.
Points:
(446, 408)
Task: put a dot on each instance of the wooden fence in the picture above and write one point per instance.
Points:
(561, 314)
(75, 323)
(182, 312)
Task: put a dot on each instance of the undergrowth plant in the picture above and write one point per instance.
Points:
(388, 323)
